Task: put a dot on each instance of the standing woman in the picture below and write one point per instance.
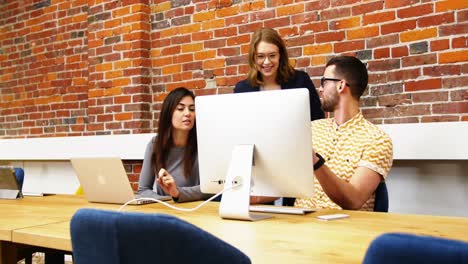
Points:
(170, 166)
(270, 70)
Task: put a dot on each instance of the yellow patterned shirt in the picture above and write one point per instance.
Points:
(356, 143)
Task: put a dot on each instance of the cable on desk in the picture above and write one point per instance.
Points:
(177, 208)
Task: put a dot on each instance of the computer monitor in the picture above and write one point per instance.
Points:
(274, 128)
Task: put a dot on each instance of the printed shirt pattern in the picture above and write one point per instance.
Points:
(356, 143)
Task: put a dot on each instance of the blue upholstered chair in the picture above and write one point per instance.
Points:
(381, 198)
(103, 237)
(406, 248)
(19, 173)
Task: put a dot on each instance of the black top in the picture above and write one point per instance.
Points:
(300, 80)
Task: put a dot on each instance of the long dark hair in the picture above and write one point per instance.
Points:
(164, 141)
(285, 69)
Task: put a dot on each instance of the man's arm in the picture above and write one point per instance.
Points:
(349, 195)
(262, 199)
(375, 163)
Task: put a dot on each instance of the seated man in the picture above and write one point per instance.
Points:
(352, 155)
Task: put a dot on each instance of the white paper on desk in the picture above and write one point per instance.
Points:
(57, 177)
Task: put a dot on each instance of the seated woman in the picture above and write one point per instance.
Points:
(170, 165)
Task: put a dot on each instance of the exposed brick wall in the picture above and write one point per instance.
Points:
(43, 68)
(87, 67)
(416, 51)
(119, 67)
(103, 67)
(133, 169)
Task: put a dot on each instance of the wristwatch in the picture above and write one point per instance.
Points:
(320, 162)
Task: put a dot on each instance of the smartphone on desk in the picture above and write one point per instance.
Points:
(330, 217)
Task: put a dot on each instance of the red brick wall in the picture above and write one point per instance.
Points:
(87, 67)
(43, 68)
(133, 169)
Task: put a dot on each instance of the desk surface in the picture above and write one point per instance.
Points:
(38, 211)
(284, 238)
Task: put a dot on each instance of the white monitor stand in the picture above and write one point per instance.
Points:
(235, 202)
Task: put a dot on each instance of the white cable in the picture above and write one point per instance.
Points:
(177, 208)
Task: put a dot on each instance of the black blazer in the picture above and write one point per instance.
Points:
(300, 80)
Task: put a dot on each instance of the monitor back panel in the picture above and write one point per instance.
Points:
(276, 122)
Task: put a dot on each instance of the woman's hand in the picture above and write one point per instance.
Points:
(167, 183)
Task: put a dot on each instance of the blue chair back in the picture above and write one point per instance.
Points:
(381, 198)
(19, 173)
(406, 248)
(103, 237)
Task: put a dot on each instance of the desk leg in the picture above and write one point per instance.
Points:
(8, 253)
(54, 258)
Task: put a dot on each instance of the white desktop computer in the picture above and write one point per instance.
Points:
(261, 141)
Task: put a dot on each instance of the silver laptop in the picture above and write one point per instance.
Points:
(9, 186)
(104, 180)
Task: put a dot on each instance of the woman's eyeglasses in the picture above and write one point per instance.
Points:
(260, 57)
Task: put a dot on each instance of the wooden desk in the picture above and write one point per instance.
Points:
(284, 238)
(34, 211)
(37, 212)
(305, 239)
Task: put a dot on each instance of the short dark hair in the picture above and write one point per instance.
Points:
(285, 69)
(164, 141)
(353, 70)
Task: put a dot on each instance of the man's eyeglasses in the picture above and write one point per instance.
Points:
(323, 80)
